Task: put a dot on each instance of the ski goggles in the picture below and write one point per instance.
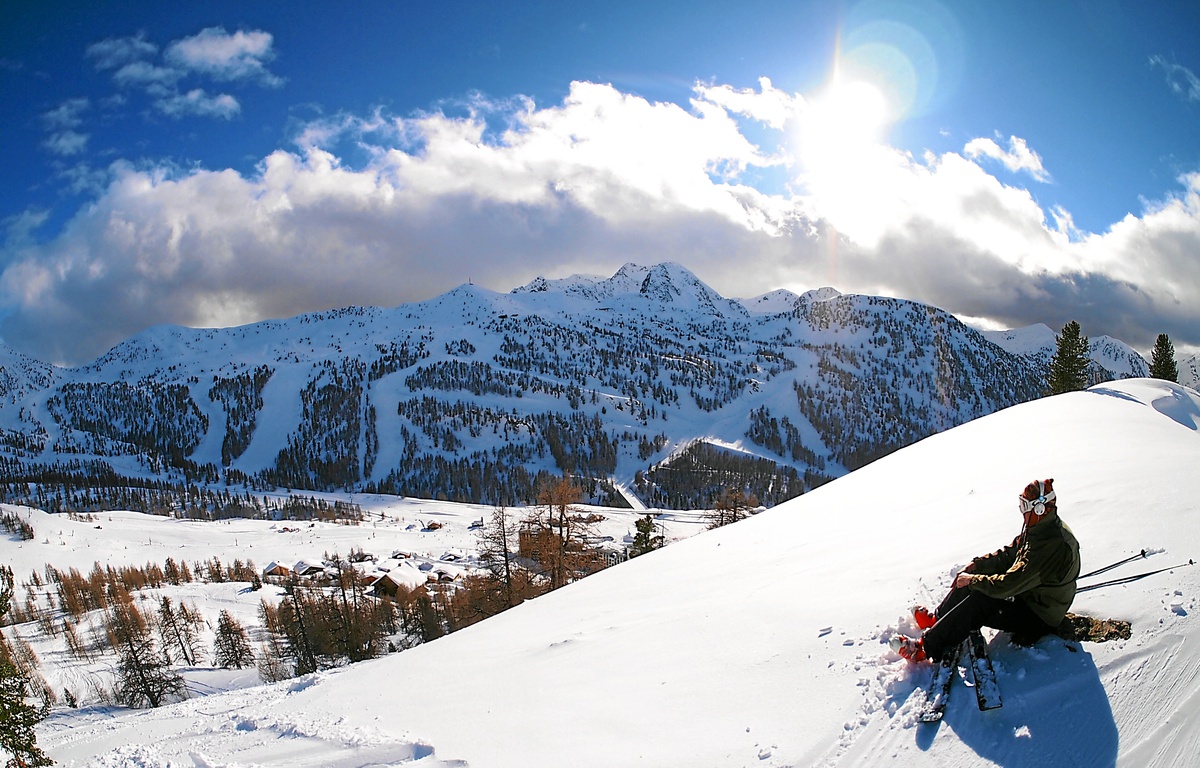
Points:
(1036, 506)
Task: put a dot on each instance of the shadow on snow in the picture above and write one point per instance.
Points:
(1056, 711)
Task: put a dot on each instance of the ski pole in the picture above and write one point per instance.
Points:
(1129, 559)
(1127, 579)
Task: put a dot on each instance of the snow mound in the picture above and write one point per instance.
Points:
(1178, 403)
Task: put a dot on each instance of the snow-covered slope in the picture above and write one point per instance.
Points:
(1035, 340)
(1189, 371)
(763, 643)
(1117, 357)
(21, 376)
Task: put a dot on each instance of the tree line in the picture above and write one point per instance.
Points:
(699, 474)
(149, 637)
(94, 487)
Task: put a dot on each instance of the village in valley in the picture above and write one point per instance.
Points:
(413, 569)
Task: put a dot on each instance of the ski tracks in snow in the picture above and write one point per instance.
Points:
(251, 727)
(1160, 729)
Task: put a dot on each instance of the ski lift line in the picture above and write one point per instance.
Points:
(1135, 577)
(1131, 558)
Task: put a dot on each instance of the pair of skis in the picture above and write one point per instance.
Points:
(987, 691)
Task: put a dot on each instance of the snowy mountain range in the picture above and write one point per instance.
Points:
(762, 643)
(649, 383)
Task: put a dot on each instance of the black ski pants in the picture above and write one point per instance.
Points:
(964, 610)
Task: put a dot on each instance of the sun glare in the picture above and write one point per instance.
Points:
(845, 165)
(845, 120)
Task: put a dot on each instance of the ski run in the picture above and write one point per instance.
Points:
(763, 643)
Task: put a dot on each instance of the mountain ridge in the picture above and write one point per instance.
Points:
(473, 395)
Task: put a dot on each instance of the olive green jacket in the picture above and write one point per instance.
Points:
(1039, 568)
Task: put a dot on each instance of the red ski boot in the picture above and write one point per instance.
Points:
(924, 617)
(913, 650)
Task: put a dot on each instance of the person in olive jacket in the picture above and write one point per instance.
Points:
(1025, 588)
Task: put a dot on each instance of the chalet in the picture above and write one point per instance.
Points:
(308, 568)
(386, 584)
(276, 569)
(442, 576)
(404, 576)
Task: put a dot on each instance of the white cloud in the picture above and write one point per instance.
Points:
(61, 123)
(115, 52)
(20, 229)
(1156, 252)
(1180, 79)
(585, 185)
(82, 179)
(614, 154)
(198, 102)
(66, 143)
(769, 105)
(223, 56)
(143, 74)
(212, 53)
(1017, 158)
(66, 115)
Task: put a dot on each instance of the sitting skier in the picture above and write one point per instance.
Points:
(1024, 588)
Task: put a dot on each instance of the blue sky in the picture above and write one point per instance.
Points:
(219, 163)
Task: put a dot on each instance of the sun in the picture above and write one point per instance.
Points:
(848, 174)
(845, 120)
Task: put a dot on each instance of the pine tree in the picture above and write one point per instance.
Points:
(430, 622)
(1069, 365)
(295, 624)
(232, 649)
(191, 622)
(730, 507)
(176, 630)
(6, 590)
(17, 720)
(75, 644)
(1162, 360)
(144, 676)
(272, 665)
(496, 552)
(17, 716)
(647, 538)
(355, 632)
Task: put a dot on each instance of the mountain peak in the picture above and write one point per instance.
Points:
(821, 294)
(538, 284)
(587, 286)
(773, 302)
(668, 283)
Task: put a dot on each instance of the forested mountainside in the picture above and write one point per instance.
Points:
(648, 386)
